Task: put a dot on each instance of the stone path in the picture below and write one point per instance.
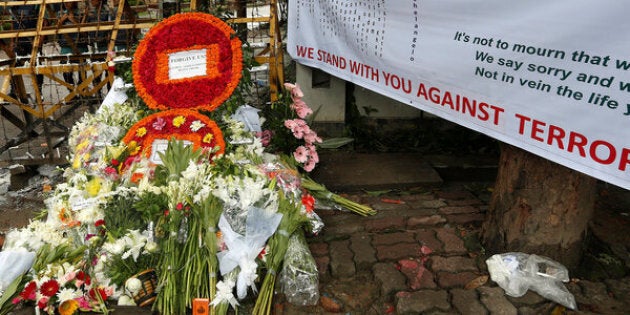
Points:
(419, 255)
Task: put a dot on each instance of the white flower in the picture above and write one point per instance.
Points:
(115, 248)
(125, 300)
(191, 172)
(196, 125)
(133, 285)
(67, 294)
(151, 247)
(135, 241)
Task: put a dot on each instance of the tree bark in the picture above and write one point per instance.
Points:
(538, 207)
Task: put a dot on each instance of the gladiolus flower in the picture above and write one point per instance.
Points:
(308, 201)
(83, 278)
(29, 291)
(43, 302)
(97, 294)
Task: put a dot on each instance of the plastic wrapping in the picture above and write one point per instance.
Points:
(518, 272)
(288, 179)
(242, 250)
(13, 264)
(299, 278)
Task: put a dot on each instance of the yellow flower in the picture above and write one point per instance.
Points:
(115, 152)
(81, 146)
(68, 307)
(178, 121)
(140, 132)
(93, 186)
(133, 148)
(207, 138)
(76, 162)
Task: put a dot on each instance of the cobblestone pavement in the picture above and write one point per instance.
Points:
(420, 255)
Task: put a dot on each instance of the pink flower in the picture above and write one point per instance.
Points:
(296, 92)
(159, 123)
(299, 128)
(312, 137)
(290, 123)
(309, 165)
(43, 302)
(301, 154)
(312, 153)
(301, 109)
(84, 304)
(265, 137)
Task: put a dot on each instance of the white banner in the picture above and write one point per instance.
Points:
(550, 77)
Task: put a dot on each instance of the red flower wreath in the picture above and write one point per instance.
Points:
(181, 124)
(180, 33)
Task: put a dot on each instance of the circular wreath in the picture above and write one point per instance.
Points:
(180, 33)
(182, 124)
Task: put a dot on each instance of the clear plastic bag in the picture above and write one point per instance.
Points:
(299, 277)
(518, 272)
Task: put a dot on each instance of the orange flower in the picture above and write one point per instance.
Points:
(136, 177)
(207, 136)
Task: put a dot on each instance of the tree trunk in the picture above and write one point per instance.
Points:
(538, 207)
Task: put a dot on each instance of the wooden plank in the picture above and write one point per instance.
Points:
(33, 2)
(105, 26)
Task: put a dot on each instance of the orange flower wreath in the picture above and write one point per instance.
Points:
(210, 37)
(182, 124)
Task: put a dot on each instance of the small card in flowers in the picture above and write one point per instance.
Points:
(159, 146)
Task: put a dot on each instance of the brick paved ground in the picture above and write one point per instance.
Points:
(419, 255)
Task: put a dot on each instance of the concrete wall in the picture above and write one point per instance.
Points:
(329, 100)
(332, 100)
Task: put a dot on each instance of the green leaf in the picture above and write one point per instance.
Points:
(5, 300)
(335, 143)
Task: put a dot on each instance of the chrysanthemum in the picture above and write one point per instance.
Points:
(66, 294)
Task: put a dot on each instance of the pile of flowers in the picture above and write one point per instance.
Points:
(168, 208)
(215, 226)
